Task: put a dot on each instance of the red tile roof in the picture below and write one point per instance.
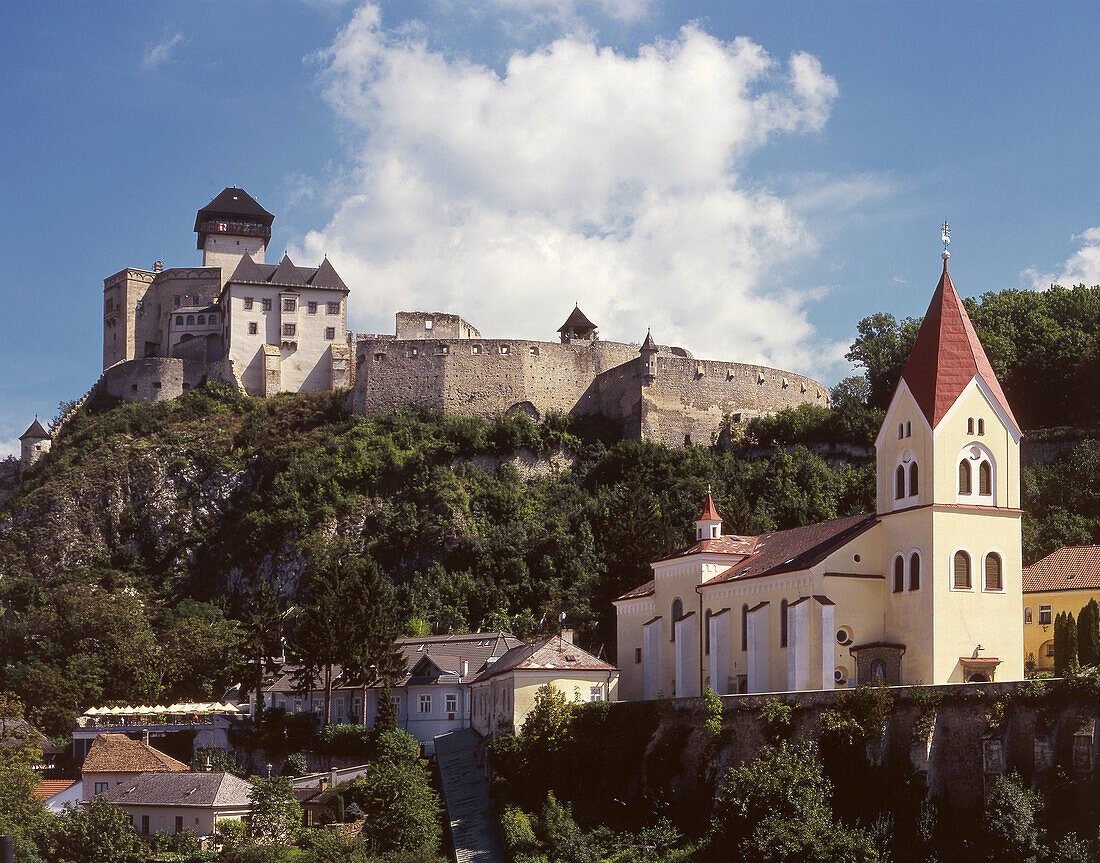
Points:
(727, 544)
(549, 654)
(709, 512)
(117, 753)
(1073, 568)
(645, 590)
(947, 355)
(49, 787)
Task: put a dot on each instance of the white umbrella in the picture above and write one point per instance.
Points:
(92, 711)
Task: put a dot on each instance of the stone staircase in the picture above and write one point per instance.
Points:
(474, 826)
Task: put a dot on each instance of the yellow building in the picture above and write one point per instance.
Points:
(1063, 581)
(504, 693)
(923, 590)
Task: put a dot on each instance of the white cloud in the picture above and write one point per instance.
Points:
(160, 53)
(9, 446)
(571, 10)
(576, 173)
(1082, 267)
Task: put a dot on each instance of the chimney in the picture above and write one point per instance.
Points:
(465, 667)
(567, 636)
(145, 736)
(158, 266)
(332, 779)
(323, 784)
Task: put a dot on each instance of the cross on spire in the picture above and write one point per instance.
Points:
(946, 238)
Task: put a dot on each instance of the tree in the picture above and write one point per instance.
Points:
(1088, 634)
(91, 833)
(21, 814)
(882, 348)
(401, 810)
(1065, 644)
(1010, 822)
(562, 836)
(200, 656)
(276, 815)
(261, 641)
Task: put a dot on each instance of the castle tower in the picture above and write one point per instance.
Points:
(577, 327)
(948, 492)
(231, 226)
(649, 358)
(34, 443)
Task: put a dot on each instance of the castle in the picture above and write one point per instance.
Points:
(269, 328)
(926, 589)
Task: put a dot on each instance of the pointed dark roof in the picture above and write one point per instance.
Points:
(232, 203)
(947, 356)
(326, 277)
(247, 271)
(648, 344)
(286, 273)
(576, 321)
(35, 432)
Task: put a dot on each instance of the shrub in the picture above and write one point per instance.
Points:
(775, 716)
(519, 835)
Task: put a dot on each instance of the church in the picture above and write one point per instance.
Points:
(925, 590)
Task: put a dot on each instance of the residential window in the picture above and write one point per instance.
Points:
(1050, 648)
(396, 704)
(332, 308)
(248, 303)
(964, 477)
(311, 307)
(330, 332)
(783, 623)
(424, 704)
(190, 320)
(202, 320)
(452, 703)
(993, 579)
(1046, 615)
(595, 693)
(914, 571)
(145, 825)
(179, 823)
(899, 574)
(252, 329)
(289, 329)
(101, 787)
(265, 304)
(288, 305)
(962, 570)
(213, 319)
(339, 708)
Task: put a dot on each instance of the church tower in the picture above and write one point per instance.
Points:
(231, 226)
(948, 496)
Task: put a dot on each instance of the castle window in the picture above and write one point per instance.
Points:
(248, 304)
(476, 349)
(1028, 619)
(1046, 615)
(964, 477)
(289, 329)
(213, 319)
(783, 623)
(534, 350)
(202, 320)
(912, 479)
(899, 574)
(330, 332)
(899, 483)
(332, 308)
(744, 627)
(311, 307)
(914, 571)
(981, 426)
(985, 478)
(179, 320)
(970, 425)
(993, 579)
(637, 656)
(252, 328)
(190, 320)
(266, 304)
(288, 305)
(677, 613)
(706, 632)
(428, 323)
(176, 300)
(962, 570)
(504, 349)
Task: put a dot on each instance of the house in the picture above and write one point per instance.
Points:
(504, 693)
(1062, 581)
(431, 698)
(176, 801)
(926, 589)
(16, 732)
(115, 758)
(55, 793)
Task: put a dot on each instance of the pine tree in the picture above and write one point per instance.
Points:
(1065, 644)
(1088, 634)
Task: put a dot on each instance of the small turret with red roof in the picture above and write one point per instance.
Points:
(709, 524)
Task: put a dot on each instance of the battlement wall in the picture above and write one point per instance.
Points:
(152, 379)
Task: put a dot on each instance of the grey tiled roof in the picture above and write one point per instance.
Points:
(222, 790)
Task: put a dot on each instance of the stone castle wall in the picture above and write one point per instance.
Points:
(152, 379)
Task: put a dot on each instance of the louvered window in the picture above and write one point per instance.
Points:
(962, 570)
(985, 478)
(964, 477)
(912, 479)
(783, 623)
(993, 572)
(899, 483)
(899, 574)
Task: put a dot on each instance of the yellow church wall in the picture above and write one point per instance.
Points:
(963, 619)
(953, 435)
(1037, 636)
(629, 617)
(907, 616)
(915, 440)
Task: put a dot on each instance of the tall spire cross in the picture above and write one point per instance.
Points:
(946, 237)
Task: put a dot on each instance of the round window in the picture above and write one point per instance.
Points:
(843, 635)
(840, 675)
(856, 558)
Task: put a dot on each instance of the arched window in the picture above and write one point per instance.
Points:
(783, 623)
(993, 572)
(901, 430)
(677, 613)
(213, 319)
(1028, 619)
(908, 428)
(985, 478)
(744, 627)
(899, 574)
(970, 425)
(962, 570)
(202, 320)
(981, 426)
(190, 320)
(706, 632)
(179, 320)
(912, 479)
(914, 571)
(899, 483)
(964, 477)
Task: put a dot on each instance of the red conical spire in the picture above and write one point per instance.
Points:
(947, 355)
(709, 512)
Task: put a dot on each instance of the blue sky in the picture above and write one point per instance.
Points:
(749, 179)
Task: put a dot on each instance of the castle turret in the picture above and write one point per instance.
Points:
(231, 226)
(709, 523)
(577, 327)
(34, 444)
(649, 358)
